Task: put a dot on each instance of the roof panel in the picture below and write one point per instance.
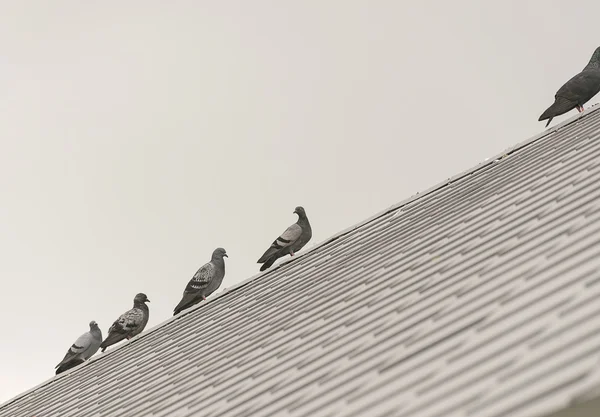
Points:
(478, 297)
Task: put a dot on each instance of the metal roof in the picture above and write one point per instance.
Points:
(479, 297)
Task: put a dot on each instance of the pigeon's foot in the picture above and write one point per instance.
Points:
(204, 298)
(579, 108)
(128, 337)
(291, 253)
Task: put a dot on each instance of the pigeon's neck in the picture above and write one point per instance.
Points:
(303, 221)
(220, 262)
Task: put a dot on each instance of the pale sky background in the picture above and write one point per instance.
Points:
(138, 136)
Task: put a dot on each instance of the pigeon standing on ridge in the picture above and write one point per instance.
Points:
(130, 323)
(577, 91)
(204, 282)
(290, 241)
(84, 348)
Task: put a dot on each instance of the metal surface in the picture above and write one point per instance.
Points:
(480, 297)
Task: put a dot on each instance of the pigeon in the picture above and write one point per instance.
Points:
(290, 241)
(204, 282)
(577, 91)
(130, 323)
(84, 348)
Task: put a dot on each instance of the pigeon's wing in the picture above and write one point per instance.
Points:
(127, 322)
(82, 344)
(124, 326)
(286, 239)
(201, 279)
(196, 288)
(581, 87)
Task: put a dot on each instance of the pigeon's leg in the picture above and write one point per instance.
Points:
(128, 337)
(580, 108)
(291, 253)
(204, 298)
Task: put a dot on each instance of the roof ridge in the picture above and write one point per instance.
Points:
(419, 195)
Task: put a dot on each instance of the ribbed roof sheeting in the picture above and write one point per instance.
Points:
(479, 298)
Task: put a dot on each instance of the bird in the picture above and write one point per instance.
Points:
(204, 282)
(292, 240)
(84, 348)
(577, 91)
(130, 323)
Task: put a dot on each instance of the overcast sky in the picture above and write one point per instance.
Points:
(138, 136)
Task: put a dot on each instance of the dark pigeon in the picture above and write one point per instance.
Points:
(130, 323)
(292, 240)
(204, 282)
(84, 348)
(577, 91)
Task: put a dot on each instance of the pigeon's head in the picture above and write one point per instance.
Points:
(300, 211)
(93, 325)
(219, 253)
(141, 298)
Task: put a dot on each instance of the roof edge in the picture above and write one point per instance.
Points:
(487, 162)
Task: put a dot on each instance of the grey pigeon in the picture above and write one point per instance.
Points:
(130, 323)
(290, 241)
(204, 282)
(84, 348)
(577, 91)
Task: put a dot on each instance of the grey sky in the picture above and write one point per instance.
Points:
(139, 136)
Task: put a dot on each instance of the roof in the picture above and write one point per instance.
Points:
(479, 297)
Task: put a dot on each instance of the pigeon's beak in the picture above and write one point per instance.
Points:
(295, 212)
(225, 255)
(147, 300)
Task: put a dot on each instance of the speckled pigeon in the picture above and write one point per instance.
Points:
(204, 282)
(84, 347)
(130, 323)
(577, 91)
(290, 241)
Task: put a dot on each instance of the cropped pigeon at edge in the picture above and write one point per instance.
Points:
(204, 282)
(292, 240)
(84, 348)
(130, 323)
(577, 91)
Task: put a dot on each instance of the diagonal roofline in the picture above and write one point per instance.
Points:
(482, 165)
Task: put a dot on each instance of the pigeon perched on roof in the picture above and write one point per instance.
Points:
(84, 348)
(204, 282)
(577, 91)
(130, 323)
(290, 241)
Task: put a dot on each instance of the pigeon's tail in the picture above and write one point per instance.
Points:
(111, 339)
(186, 302)
(180, 307)
(272, 251)
(68, 365)
(560, 106)
(268, 263)
(68, 358)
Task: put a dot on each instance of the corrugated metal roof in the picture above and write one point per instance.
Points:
(480, 297)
